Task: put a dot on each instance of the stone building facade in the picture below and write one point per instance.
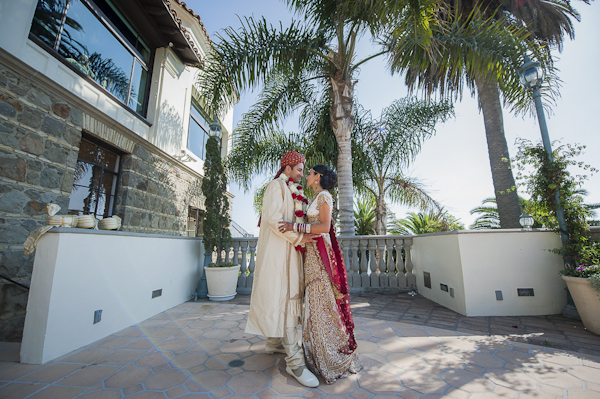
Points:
(51, 112)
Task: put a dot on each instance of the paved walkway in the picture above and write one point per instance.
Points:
(199, 350)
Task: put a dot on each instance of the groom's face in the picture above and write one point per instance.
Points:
(297, 172)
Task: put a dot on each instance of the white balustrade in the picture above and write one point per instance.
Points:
(373, 263)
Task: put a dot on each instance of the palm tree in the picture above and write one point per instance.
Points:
(488, 214)
(364, 216)
(384, 147)
(539, 24)
(423, 223)
(319, 49)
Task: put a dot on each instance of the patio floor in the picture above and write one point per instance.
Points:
(410, 347)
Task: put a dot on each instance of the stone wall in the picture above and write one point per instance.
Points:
(154, 194)
(40, 135)
(39, 142)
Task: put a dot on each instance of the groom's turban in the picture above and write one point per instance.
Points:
(290, 158)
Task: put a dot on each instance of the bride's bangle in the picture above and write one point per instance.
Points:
(308, 228)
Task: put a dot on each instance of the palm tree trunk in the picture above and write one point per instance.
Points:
(380, 216)
(509, 208)
(342, 122)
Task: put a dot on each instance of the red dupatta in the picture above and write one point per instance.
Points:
(336, 269)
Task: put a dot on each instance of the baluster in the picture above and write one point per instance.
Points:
(355, 264)
(235, 256)
(381, 264)
(364, 274)
(411, 279)
(373, 263)
(344, 249)
(250, 279)
(392, 278)
(243, 267)
(226, 251)
(344, 246)
(400, 263)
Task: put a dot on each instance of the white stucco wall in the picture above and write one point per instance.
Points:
(477, 264)
(78, 272)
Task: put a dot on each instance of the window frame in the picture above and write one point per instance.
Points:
(129, 47)
(196, 104)
(117, 174)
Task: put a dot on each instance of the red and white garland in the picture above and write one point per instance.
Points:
(300, 203)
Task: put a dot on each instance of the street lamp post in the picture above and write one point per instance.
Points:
(216, 133)
(531, 77)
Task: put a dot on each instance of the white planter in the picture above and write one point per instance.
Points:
(587, 302)
(222, 282)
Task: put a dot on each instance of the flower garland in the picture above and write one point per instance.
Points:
(300, 202)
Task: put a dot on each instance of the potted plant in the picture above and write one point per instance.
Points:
(222, 280)
(222, 277)
(550, 176)
(584, 285)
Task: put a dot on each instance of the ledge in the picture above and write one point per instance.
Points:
(75, 230)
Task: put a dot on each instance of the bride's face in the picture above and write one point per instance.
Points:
(313, 179)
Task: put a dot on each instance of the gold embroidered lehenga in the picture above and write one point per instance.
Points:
(329, 343)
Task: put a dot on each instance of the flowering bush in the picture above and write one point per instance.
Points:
(592, 273)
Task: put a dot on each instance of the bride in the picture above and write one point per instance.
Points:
(328, 328)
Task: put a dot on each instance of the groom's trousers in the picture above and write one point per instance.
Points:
(294, 353)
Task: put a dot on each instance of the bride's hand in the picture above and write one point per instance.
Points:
(285, 226)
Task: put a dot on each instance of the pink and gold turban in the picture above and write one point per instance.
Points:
(290, 158)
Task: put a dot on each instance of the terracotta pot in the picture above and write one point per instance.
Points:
(222, 282)
(587, 302)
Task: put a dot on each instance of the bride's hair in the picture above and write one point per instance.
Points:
(328, 178)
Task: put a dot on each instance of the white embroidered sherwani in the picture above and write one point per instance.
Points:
(278, 287)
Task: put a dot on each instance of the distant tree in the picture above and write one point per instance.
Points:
(383, 148)
(488, 214)
(423, 223)
(364, 216)
(454, 61)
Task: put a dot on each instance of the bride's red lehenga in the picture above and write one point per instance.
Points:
(329, 343)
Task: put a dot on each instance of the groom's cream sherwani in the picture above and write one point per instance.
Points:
(278, 287)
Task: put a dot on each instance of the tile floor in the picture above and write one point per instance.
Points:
(199, 350)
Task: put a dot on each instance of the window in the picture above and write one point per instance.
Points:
(94, 37)
(198, 131)
(194, 222)
(95, 184)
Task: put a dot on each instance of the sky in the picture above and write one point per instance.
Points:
(454, 164)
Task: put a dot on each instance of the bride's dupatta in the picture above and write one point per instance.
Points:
(336, 269)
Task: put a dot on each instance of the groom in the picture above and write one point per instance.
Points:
(278, 287)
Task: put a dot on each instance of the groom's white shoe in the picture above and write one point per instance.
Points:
(304, 376)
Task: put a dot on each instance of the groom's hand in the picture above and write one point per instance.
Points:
(285, 226)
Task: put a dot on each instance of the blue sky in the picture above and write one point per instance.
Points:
(453, 164)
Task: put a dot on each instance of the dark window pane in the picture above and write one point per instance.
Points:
(109, 183)
(77, 197)
(138, 88)
(87, 151)
(196, 139)
(47, 20)
(95, 181)
(96, 52)
(107, 159)
(83, 174)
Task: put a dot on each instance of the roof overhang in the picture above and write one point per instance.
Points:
(165, 28)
